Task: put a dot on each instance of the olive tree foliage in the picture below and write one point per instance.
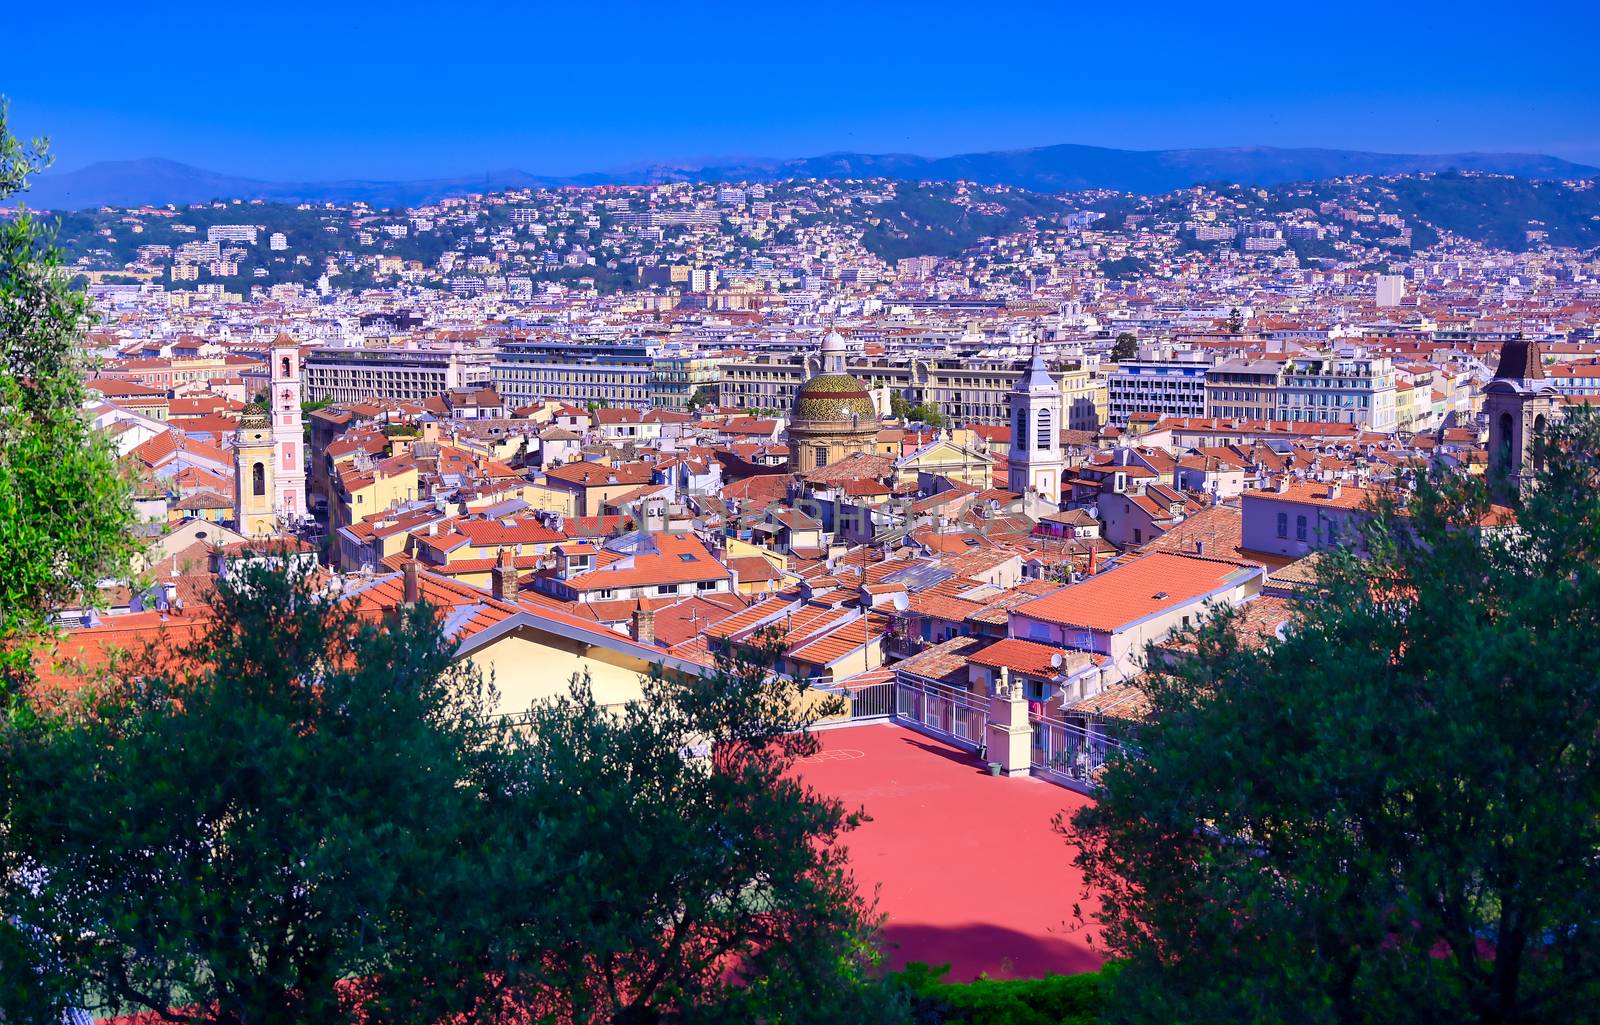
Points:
(1392, 813)
(239, 819)
(290, 812)
(660, 862)
(64, 510)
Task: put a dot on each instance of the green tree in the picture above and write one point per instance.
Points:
(695, 878)
(301, 815)
(233, 823)
(64, 509)
(1235, 321)
(927, 413)
(1126, 348)
(1392, 813)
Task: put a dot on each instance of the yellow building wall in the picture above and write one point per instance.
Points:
(737, 549)
(380, 495)
(548, 499)
(527, 666)
(255, 513)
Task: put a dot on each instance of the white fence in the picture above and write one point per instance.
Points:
(1067, 753)
(953, 714)
(874, 701)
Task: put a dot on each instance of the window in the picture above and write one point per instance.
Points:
(258, 479)
(822, 456)
(1138, 536)
(1044, 439)
(1299, 528)
(285, 364)
(1283, 524)
(666, 588)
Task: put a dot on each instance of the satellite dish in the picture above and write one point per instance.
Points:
(1055, 661)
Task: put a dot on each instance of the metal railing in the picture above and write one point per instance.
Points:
(1066, 752)
(950, 713)
(874, 701)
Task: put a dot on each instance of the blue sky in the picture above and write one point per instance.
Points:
(293, 90)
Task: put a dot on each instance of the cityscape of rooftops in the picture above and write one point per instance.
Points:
(1094, 517)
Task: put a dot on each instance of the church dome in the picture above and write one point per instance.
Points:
(255, 415)
(833, 398)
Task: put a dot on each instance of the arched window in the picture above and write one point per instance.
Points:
(1045, 428)
(285, 365)
(1538, 442)
(1508, 464)
(258, 479)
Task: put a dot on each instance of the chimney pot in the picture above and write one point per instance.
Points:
(413, 584)
(644, 625)
(503, 582)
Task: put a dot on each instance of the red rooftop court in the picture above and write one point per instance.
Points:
(965, 865)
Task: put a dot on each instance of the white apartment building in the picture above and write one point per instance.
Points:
(1356, 390)
(352, 374)
(1391, 289)
(1162, 387)
(232, 233)
(612, 373)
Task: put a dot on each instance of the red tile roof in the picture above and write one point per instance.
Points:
(1146, 586)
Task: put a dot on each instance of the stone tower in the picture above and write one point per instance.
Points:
(1519, 402)
(254, 512)
(1035, 461)
(288, 433)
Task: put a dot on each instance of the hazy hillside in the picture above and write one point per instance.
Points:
(1045, 169)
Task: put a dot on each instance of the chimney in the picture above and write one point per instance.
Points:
(1200, 546)
(413, 584)
(503, 582)
(1335, 490)
(644, 625)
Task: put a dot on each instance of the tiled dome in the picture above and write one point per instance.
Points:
(255, 415)
(833, 398)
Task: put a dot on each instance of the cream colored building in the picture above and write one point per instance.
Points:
(963, 391)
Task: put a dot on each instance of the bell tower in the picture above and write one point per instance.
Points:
(1519, 403)
(288, 433)
(1035, 461)
(254, 514)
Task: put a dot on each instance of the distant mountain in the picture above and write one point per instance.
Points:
(1067, 168)
(124, 183)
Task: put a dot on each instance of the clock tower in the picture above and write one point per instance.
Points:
(288, 433)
